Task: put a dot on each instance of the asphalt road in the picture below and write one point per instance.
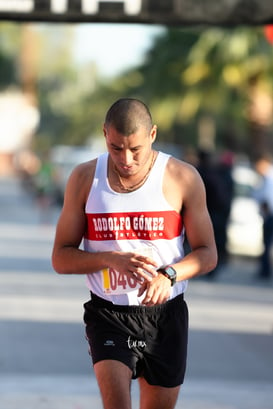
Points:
(44, 362)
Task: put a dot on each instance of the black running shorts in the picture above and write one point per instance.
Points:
(151, 341)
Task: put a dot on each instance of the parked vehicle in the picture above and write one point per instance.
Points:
(244, 233)
(65, 158)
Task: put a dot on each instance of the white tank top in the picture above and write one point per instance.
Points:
(141, 221)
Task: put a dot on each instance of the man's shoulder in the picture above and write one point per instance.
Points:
(83, 173)
(182, 177)
(85, 167)
(181, 167)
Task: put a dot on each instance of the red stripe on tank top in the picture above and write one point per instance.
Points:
(133, 225)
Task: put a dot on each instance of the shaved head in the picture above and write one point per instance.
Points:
(128, 115)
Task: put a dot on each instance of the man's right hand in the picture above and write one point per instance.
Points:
(143, 268)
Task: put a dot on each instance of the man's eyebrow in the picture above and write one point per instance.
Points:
(121, 147)
(115, 146)
(135, 147)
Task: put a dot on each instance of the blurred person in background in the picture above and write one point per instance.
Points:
(127, 204)
(224, 169)
(44, 183)
(217, 178)
(264, 195)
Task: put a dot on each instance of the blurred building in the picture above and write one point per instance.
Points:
(19, 119)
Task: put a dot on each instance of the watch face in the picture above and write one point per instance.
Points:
(171, 272)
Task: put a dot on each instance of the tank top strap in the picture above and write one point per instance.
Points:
(158, 169)
(100, 176)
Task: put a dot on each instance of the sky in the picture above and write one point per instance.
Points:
(113, 47)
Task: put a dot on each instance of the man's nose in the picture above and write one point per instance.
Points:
(127, 157)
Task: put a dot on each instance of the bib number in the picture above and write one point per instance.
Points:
(115, 282)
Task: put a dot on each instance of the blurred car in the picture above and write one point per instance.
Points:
(65, 158)
(244, 232)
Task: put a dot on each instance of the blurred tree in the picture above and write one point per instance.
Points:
(57, 83)
(223, 77)
(205, 86)
(9, 47)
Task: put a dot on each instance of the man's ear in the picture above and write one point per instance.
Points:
(153, 133)
(104, 130)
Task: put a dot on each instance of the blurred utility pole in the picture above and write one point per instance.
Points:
(28, 63)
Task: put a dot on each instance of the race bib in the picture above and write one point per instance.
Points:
(115, 282)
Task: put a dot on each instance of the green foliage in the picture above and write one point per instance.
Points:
(7, 72)
(194, 73)
(189, 77)
(8, 48)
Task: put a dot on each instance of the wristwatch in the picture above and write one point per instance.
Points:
(168, 272)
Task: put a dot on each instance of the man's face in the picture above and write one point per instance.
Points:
(130, 153)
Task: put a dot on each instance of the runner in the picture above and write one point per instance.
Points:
(133, 206)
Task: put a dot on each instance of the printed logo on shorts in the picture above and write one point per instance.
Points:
(135, 343)
(109, 343)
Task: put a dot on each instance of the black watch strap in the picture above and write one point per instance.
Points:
(168, 272)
